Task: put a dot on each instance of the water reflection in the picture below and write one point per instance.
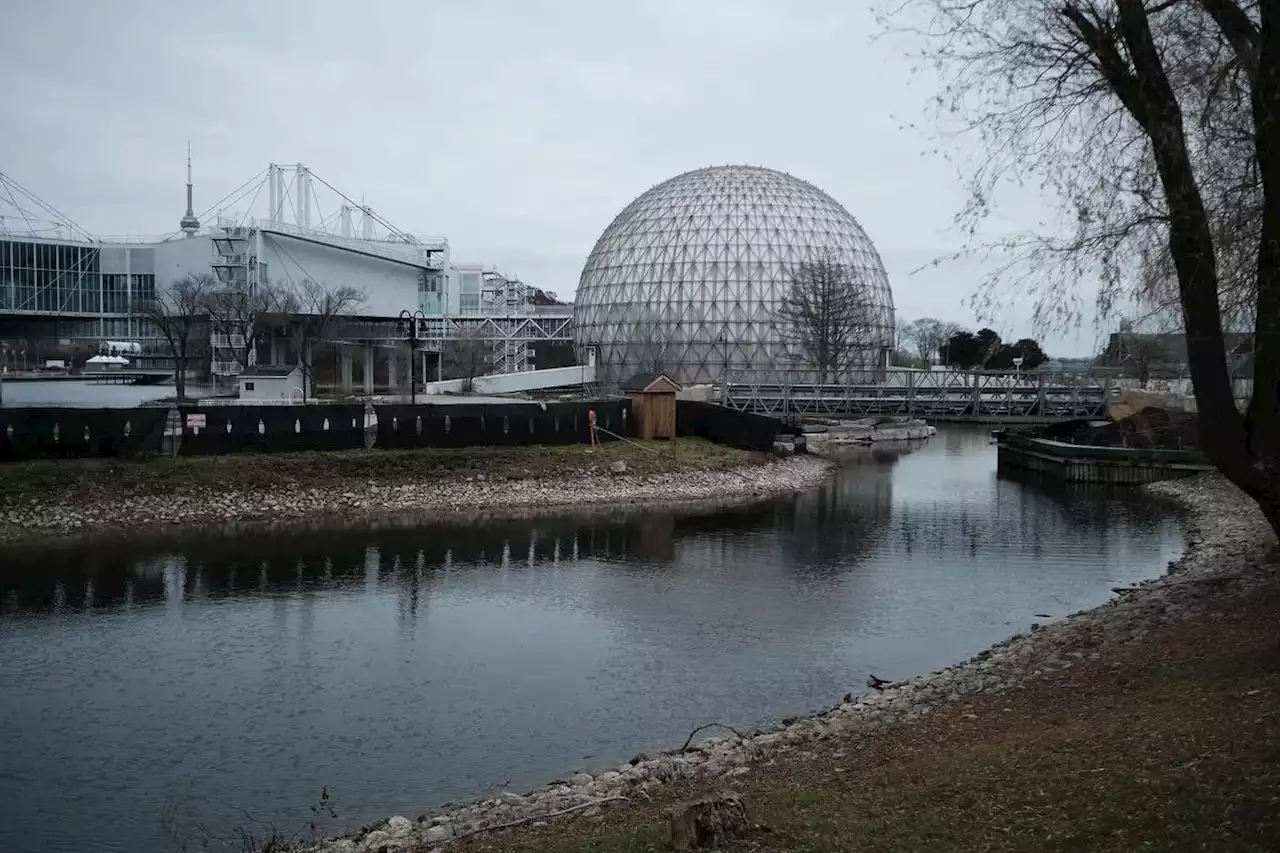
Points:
(404, 667)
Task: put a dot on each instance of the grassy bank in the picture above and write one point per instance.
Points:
(73, 480)
(1170, 744)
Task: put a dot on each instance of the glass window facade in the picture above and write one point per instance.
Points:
(73, 279)
(469, 293)
(115, 293)
(431, 292)
(49, 278)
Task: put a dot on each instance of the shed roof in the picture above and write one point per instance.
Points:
(269, 370)
(651, 383)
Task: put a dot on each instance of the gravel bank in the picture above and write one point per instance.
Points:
(1228, 539)
(357, 502)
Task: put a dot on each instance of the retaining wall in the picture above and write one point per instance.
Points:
(1078, 463)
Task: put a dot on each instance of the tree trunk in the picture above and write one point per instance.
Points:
(1150, 99)
(180, 375)
(1263, 417)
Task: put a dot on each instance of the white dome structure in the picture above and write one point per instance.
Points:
(689, 278)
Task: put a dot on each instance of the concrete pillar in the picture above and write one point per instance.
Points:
(308, 362)
(393, 370)
(368, 369)
(346, 370)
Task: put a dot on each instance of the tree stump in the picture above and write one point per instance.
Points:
(708, 822)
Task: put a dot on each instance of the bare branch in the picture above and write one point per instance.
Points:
(240, 316)
(827, 318)
(703, 728)
(177, 310)
(1154, 130)
(319, 312)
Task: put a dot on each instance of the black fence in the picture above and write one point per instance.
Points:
(727, 426)
(468, 425)
(58, 432)
(212, 430)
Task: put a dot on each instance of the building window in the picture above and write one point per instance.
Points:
(248, 386)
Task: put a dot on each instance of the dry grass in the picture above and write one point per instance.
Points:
(72, 480)
(1173, 746)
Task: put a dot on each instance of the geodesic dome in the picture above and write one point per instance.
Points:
(688, 278)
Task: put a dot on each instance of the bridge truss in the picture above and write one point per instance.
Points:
(978, 396)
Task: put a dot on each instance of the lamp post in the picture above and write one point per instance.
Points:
(723, 341)
(412, 317)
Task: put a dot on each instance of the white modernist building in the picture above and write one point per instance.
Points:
(77, 288)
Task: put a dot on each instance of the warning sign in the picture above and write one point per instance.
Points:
(195, 421)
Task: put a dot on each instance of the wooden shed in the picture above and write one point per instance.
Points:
(653, 404)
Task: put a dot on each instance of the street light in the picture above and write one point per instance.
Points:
(723, 341)
(412, 317)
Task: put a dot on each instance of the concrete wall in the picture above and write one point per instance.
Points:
(180, 256)
(389, 287)
(271, 388)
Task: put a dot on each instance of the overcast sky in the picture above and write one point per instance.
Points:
(517, 129)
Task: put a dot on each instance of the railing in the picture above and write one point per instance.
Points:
(495, 328)
(225, 368)
(938, 395)
(417, 254)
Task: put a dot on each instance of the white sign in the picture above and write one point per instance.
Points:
(195, 421)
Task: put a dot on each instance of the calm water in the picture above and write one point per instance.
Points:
(405, 668)
(82, 394)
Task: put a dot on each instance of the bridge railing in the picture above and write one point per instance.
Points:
(976, 395)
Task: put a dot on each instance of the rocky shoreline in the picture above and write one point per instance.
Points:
(364, 503)
(1228, 540)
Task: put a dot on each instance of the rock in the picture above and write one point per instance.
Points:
(618, 467)
(708, 822)
(436, 834)
(399, 825)
(375, 840)
(581, 779)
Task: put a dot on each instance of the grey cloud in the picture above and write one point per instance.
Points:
(517, 129)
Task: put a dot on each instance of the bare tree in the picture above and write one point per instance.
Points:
(825, 315)
(241, 317)
(651, 340)
(928, 336)
(1156, 127)
(319, 312)
(466, 357)
(178, 311)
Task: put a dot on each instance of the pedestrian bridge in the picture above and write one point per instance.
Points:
(975, 396)
(521, 382)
